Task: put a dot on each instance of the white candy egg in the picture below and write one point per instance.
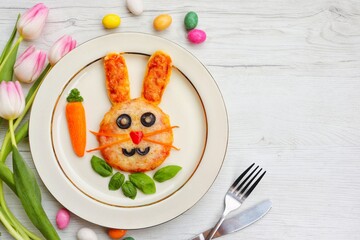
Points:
(86, 234)
(136, 7)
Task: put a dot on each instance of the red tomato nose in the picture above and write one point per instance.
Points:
(136, 137)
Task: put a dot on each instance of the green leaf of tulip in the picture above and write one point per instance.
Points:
(9, 42)
(30, 196)
(7, 69)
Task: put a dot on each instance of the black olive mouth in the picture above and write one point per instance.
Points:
(141, 152)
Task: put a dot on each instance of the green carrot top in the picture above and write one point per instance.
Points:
(74, 96)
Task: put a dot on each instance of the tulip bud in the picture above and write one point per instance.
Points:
(29, 65)
(12, 102)
(60, 48)
(32, 22)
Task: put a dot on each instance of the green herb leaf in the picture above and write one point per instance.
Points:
(116, 181)
(129, 238)
(30, 196)
(129, 190)
(143, 182)
(74, 96)
(166, 173)
(101, 167)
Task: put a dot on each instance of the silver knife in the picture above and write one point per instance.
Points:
(239, 221)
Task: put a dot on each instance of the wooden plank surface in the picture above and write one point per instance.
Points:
(289, 72)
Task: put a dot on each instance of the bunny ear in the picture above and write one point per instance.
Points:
(117, 78)
(157, 76)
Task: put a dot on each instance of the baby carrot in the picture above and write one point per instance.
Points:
(75, 116)
(116, 233)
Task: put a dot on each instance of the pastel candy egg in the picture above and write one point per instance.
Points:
(62, 218)
(162, 22)
(111, 21)
(86, 234)
(136, 7)
(196, 36)
(191, 20)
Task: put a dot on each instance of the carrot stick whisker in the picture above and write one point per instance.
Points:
(159, 131)
(108, 134)
(161, 143)
(108, 145)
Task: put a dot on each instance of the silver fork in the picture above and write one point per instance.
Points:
(237, 194)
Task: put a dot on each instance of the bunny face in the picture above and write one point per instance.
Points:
(136, 135)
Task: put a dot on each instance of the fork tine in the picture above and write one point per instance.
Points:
(240, 177)
(254, 185)
(241, 191)
(237, 189)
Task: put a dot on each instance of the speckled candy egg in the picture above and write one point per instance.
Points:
(191, 20)
(196, 36)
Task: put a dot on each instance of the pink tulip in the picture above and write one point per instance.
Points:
(29, 65)
(60, 48)
(32, 22)
(12, 102)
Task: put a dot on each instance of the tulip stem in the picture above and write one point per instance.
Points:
(11, 130)
(13, 221)
(10, 52)
(8, 226)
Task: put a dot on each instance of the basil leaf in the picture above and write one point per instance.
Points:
(116, 181)
(100, 166)
(143, 182)
(129, 190)
(166, 173)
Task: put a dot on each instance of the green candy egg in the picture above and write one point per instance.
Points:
(191, 20)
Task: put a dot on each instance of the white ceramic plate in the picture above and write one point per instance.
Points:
(191, 99)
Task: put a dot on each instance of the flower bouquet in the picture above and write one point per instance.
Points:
(29, 68)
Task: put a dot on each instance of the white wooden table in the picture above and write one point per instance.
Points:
(289, 72)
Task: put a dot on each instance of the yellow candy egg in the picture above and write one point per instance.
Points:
(162, 22)
(111, 21)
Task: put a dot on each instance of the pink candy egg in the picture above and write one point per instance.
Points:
(62, 218)
(197, 36)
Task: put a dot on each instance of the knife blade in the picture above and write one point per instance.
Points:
(239, 221)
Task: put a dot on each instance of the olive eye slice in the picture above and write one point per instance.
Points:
(123, 121)
(128, 154)
(143, 152)
(148, 119)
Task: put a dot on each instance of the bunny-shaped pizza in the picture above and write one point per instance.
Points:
(135, 134)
